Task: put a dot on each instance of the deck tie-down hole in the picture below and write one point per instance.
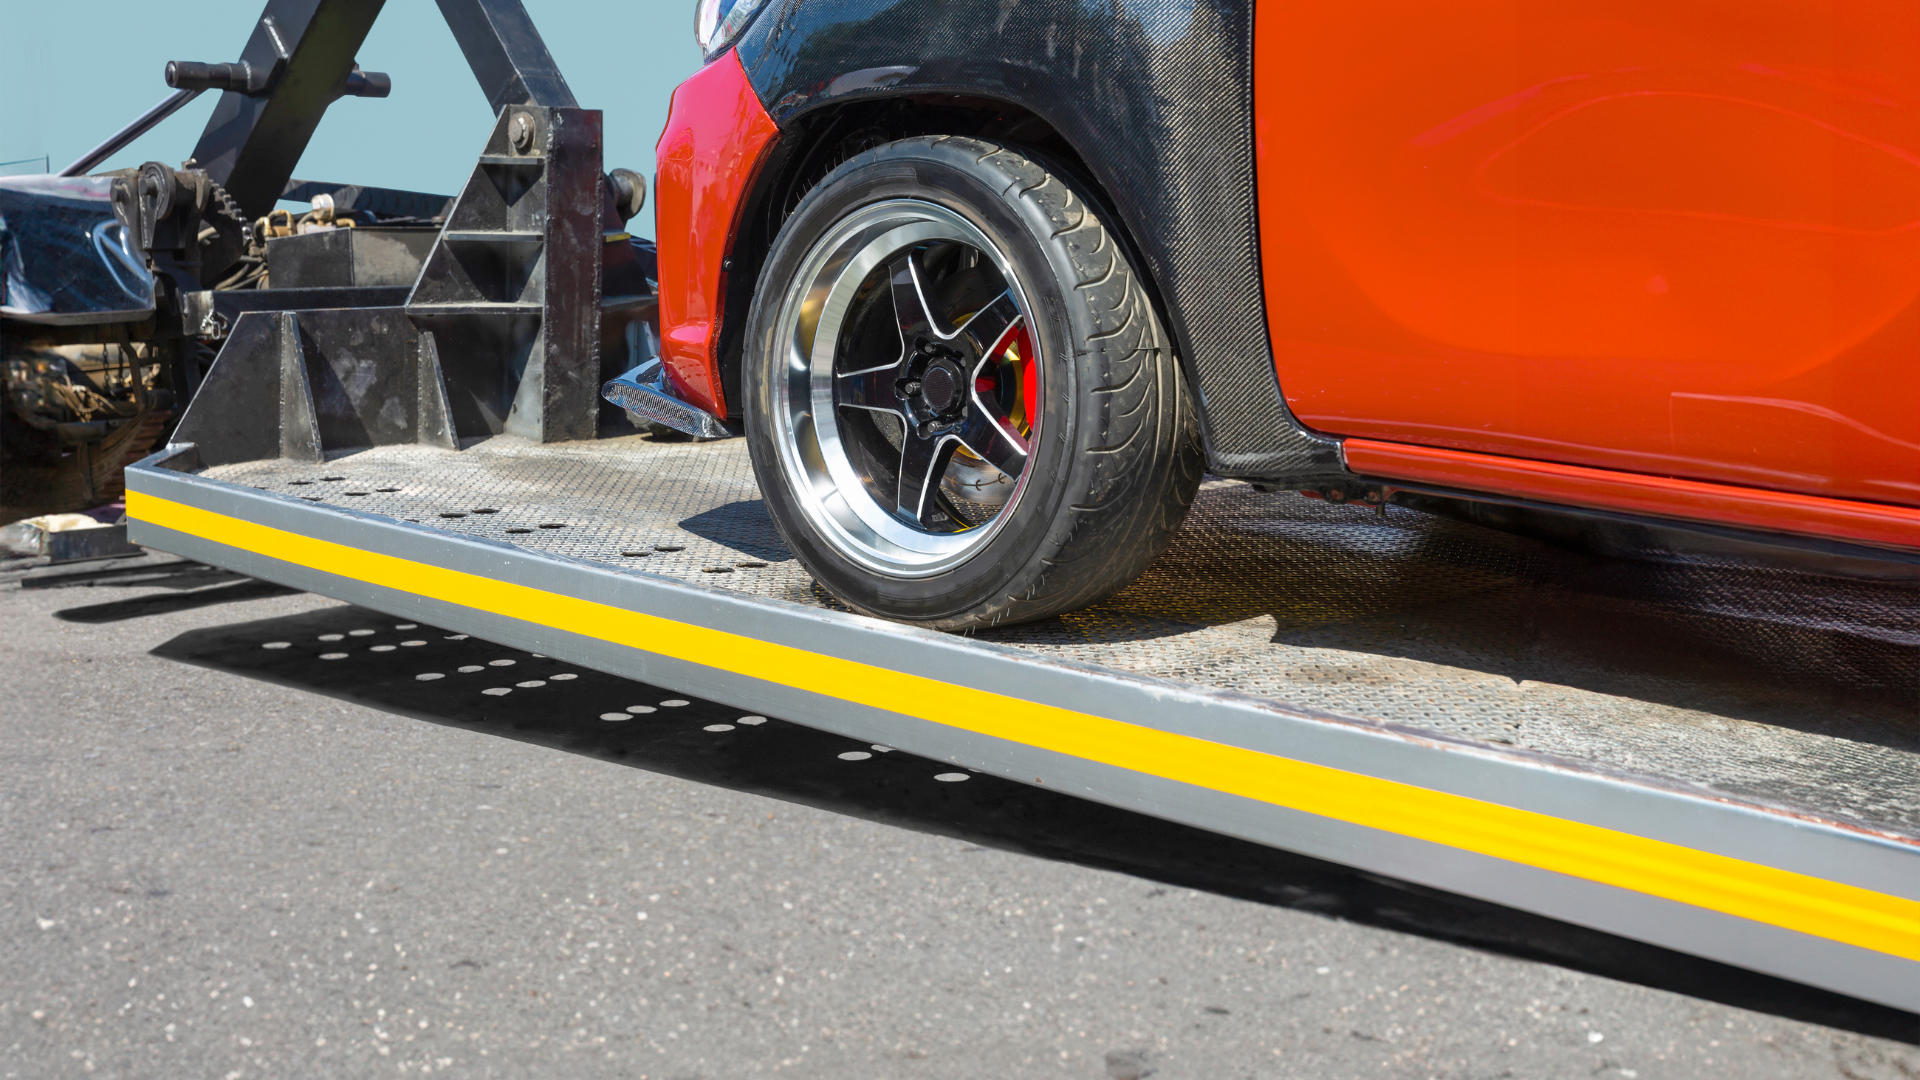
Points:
(751, 565)
(387, 491)
(452, 514)
(635, 554)
(553, 525)
(357, 493)
(669, 547)
(333, 479)
(519, 531)
(717, 570)
(486, 509)
(299, 483)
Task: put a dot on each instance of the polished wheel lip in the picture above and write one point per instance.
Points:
(826, 487)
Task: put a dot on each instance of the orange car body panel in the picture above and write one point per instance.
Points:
(717, 134)
(1655, 496)
(1674, 238)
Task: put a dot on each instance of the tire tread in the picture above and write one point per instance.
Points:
(1144, 440)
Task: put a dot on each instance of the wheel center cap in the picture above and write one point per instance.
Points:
(941, 387)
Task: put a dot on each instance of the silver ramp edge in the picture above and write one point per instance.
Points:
(1825, 903)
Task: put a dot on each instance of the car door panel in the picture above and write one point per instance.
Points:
(1676, 238)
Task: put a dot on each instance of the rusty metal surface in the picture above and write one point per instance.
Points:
(1758, 683)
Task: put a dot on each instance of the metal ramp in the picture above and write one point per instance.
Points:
(1719, 758)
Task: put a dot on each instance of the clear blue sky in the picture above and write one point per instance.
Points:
(75, 72)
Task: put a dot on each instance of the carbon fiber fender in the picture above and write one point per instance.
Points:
(1156, 98)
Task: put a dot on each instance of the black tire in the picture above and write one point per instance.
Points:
(1116, 457)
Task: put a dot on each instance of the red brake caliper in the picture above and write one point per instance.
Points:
(1020, 346)
(1029, 378)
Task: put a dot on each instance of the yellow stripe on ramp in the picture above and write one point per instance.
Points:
(1764, 894)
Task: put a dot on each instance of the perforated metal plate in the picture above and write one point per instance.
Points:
(1756, 683)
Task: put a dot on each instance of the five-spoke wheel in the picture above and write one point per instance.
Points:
(910, 389)
(952, 422)
(951, 386)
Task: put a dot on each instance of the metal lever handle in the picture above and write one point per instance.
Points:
(367, 84)
(241, 77)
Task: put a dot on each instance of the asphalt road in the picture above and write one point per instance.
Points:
(235, 861)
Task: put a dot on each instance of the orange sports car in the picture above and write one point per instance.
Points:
(991, 284)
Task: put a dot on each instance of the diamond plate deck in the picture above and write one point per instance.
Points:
(1754, 683)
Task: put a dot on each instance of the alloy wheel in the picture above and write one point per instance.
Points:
(909, 407)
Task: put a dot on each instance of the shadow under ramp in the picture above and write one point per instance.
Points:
(451, 679)
(192, 585)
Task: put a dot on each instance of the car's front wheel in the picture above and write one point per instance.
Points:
(961, 406)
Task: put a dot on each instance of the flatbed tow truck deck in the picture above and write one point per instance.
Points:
(1711, 756)
(1708, 753)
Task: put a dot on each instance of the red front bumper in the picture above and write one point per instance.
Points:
(716, 137)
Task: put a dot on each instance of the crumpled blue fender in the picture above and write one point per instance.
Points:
(64, 257)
